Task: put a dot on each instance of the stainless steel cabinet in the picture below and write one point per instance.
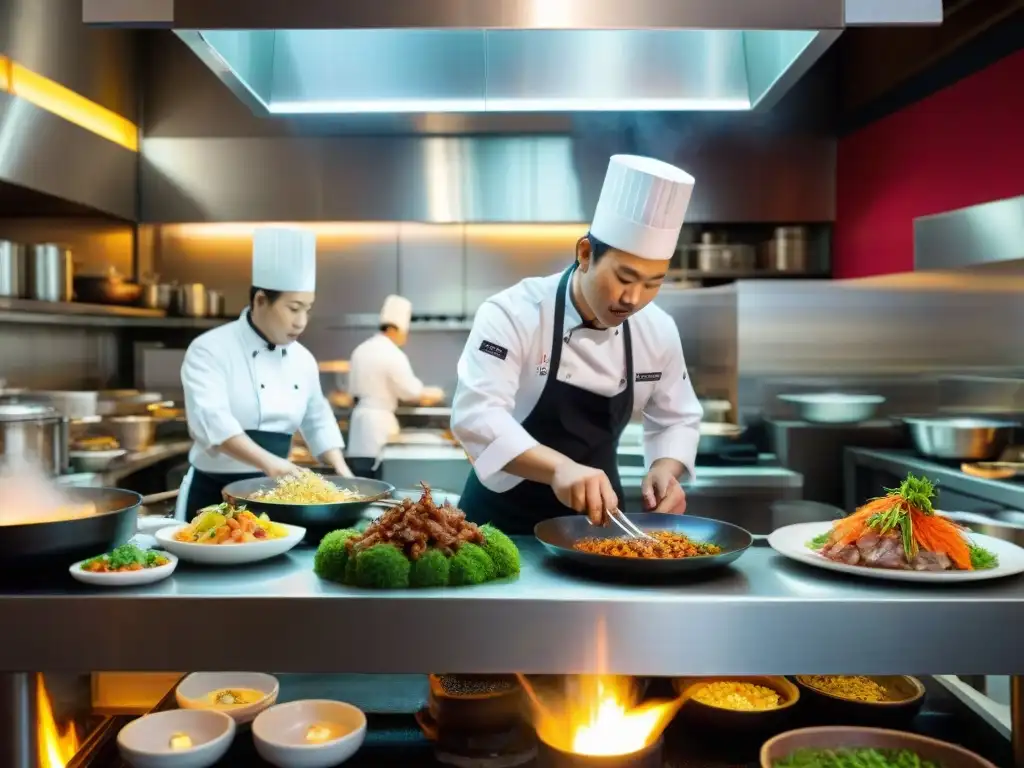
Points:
(357, 267)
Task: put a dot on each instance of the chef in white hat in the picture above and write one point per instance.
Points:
(555, 367)
(249, 385)
(380, 376)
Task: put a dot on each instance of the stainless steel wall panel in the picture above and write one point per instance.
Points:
(432, 268)
(46, 153)
(497, 179)
(970, 237)
(232, 179)
(48, 37)
(498, 256)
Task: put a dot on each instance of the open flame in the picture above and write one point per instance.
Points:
(602, 716)
(56, 746)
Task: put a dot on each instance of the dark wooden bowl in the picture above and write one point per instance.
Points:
(835, 737)
(904, 699)
(737, 723)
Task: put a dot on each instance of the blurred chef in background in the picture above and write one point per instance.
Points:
(249, 385)
(380, 376)
(555, 367)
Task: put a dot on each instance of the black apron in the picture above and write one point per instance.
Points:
(206, 487)
(581, 425)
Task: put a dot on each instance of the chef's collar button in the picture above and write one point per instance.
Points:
(255, 352)
(622, 381)
(566, 338)
(296, 386)
(616, 333)
(263, 386)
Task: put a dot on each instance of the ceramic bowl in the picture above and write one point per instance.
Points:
(229, 554)
(904, 697)
(755, 724)
(835, 737)
(280, 733)
(146, 742)
(125, 578)
(191, 692)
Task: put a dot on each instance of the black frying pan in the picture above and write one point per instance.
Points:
(560, 533)
(317, 519)
(62, 542)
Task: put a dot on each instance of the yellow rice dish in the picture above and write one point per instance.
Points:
(307, 487)
(742, 697)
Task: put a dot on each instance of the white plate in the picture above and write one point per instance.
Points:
(229, 554)
(791, 541)
(125, 578)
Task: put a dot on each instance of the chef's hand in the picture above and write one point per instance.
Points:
(585, 490)
(341, 468)
(661, 490)
(276, 467)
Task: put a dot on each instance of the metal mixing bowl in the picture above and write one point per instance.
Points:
(961, 439)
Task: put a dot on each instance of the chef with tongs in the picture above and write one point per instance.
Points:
(555, 368)
(249, 385)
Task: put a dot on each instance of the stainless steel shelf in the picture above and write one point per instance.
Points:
(372, 321)
(749, 274)
(27, 312)
(764, 616)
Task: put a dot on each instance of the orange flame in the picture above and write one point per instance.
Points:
(603, 716)
(56, 747)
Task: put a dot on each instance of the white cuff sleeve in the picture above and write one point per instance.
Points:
(678, 442)
(512, 441)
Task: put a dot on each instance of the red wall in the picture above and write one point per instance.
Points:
(960, 146)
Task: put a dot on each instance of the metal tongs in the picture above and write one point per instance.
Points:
(627, 527)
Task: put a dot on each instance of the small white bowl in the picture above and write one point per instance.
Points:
(279, 733)
(125, 578)
(191, 692)
(229, 554)
(146, 742)
(95, 461)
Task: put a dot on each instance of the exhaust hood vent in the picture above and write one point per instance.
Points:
(433, 56)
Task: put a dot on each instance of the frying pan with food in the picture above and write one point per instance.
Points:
(61, 542)
(559, 534)
(315, 518)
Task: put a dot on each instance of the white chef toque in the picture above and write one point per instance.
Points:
(284, 259)
(642, 206)
(397, 311)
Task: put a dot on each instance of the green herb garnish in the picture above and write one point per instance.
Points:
(818, 542)
(854, 758)
(981, 558)
(126, 556)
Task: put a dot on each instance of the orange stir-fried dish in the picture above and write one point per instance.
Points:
(127, 557)
(667, 545)
(901, 530)
(224, 524)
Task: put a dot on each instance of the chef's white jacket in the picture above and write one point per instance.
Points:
(381, 376)
(504, 367)
(234, 382)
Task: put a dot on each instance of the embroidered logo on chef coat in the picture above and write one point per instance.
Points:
(494, 350)
(655, 376)
(542, 369)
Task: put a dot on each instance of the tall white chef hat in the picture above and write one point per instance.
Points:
(284, 259)
(397, 311)
(642, 206)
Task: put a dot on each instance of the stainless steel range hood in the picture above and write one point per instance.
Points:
(423, 56)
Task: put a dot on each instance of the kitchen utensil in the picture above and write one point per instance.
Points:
(993, 470)
(834, 407)
(964, 438)
(111, 289)
(36, 432)
(792, 541)
(129, 402)
(559, 534)
(904, 696)
(51, 273)
(214, 303)
(191, 300)
(737, 723)
(144, 743)
(317, 518)
(228, 554)
(192, 692)
(70, 405)
(724, 257)
(835, 737)
(280, 733)
(787, 250)
(13, 270)
(125, 578)
(57, 542)
(94, 461)
(624, 525)
(157, 295)
(134, 433)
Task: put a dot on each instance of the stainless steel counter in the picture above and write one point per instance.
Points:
(764, 616)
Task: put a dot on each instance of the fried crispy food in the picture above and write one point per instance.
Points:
(668, 545)
(415, 526)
